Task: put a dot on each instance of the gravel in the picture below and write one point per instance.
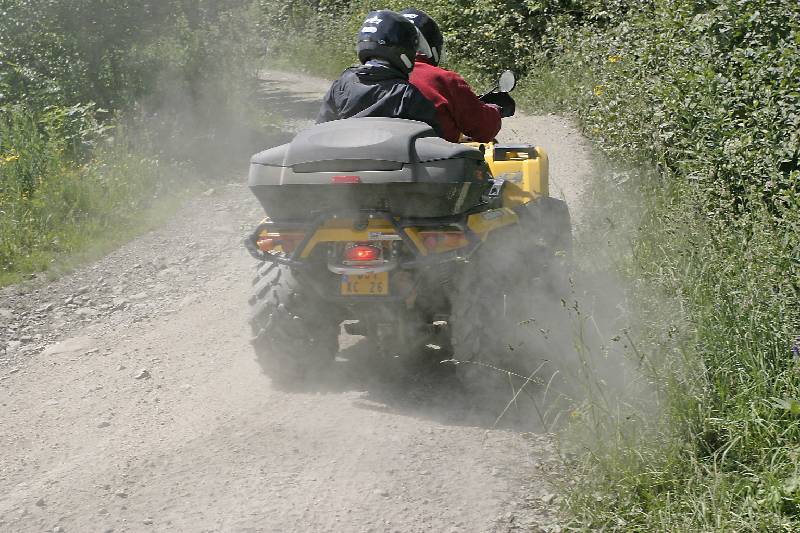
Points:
(209, 444)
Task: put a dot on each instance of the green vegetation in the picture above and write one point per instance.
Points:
(52, 201)
(705, 94)
(696, 106)
(105, 107)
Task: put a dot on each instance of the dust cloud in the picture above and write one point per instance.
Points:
(201, 440)
(566, 342)
(208, 127)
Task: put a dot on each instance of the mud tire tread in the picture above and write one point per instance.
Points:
(536, 259)
(294, 332)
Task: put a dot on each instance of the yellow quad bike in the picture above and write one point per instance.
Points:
(379, 223)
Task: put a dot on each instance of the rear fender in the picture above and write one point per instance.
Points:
(524, 166)
(476, 228)
(487, 221)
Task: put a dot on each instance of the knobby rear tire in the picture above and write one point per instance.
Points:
(514, 277)
(295, 333)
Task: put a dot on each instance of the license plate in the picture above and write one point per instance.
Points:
(365, 284)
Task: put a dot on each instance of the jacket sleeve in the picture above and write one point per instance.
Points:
(476, 119)
(329, 110)
(420, 108)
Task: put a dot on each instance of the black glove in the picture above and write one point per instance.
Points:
(502, 100)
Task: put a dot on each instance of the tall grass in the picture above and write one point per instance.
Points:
(54, 204)
(717, 246)
(103, 106)
(705, 439)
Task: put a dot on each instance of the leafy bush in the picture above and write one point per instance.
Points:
(706, 94)
(114, 53)
(84, 81)
(481, 38)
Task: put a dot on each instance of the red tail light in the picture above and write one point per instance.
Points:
(345, 179)
(362, 252)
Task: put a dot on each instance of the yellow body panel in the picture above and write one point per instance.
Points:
(487, 221)
(341, 230)
(529, 174)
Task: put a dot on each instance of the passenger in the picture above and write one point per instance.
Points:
(387, 44)
(458, 108)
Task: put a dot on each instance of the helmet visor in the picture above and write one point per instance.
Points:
(423, 47)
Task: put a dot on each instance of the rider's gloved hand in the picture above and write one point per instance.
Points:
(503, 101)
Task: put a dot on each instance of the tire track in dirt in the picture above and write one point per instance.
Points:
(151, 414)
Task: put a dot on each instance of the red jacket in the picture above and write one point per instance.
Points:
(457, 107)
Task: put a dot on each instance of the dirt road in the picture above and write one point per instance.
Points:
(130, 401)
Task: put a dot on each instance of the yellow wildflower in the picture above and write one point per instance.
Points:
(614, 58)
(598, 90)
(9, 158)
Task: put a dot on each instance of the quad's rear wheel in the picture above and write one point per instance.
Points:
(505, 292)
(295, 333)
(483, 319)
(548, 226)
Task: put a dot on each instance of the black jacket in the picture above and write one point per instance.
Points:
(376, 90)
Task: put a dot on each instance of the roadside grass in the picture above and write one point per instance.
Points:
(705, 439)
(77, 212)
(67, 199)
(103, 133)
(72, 190)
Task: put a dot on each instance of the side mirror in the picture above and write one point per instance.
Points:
(507, 82)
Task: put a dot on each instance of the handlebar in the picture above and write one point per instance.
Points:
(503, 100)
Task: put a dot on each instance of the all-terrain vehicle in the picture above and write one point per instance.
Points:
(379, 223)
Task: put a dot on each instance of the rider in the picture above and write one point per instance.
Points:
(458, 108)
(387, 44)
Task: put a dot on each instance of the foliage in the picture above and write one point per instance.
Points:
(52, 205)
(706, 94)
(99, 101)
(316, 35)
(720, 86)
(113, 53)
(482, 38)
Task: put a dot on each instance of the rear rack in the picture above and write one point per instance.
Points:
(362, 217)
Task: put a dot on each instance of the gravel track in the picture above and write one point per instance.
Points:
(130, 401)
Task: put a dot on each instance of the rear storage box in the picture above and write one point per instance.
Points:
(393, 165)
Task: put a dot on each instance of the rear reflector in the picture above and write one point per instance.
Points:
(345, 179)
(362, 252)
(265, 244)
(443, 239)
(287, 242)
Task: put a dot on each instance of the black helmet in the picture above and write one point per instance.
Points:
(432, 42)
(390, 36)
